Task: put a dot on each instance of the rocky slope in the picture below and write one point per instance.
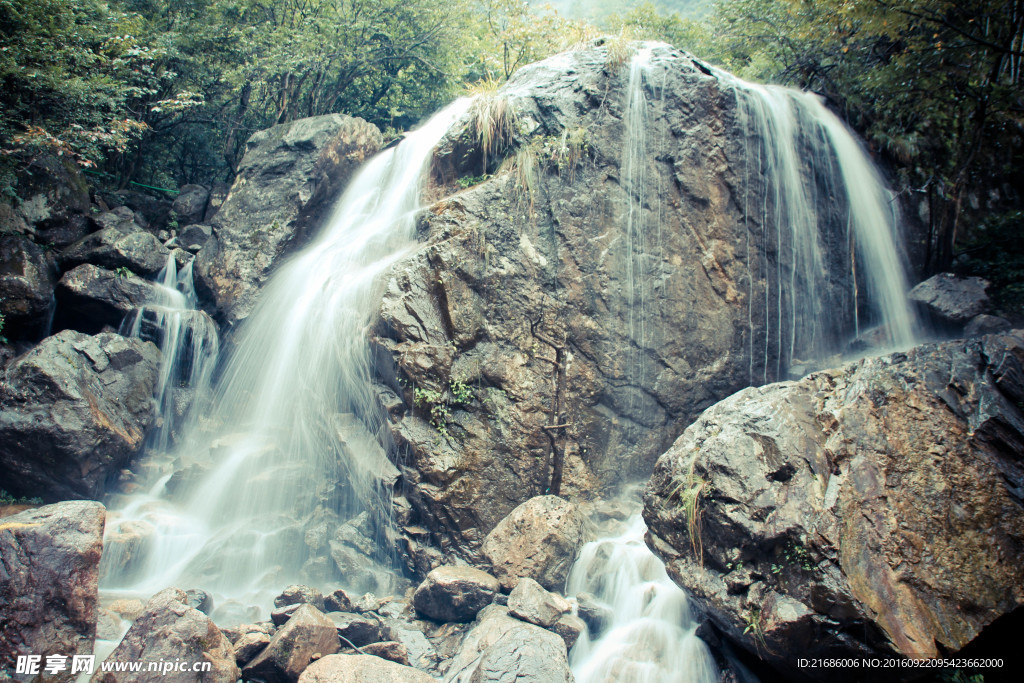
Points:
(871, 510)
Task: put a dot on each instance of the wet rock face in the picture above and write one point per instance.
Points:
(863, 511)
(73, 410)
(48, 585)
(171, 631)
(27, 278)
(90, 298)
(287, 182)
(586, 327)
(120, 243)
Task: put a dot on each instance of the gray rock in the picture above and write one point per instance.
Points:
(500, 648)
(951, 299)
(361, 669)
(391, 650)
(288, 179)
(90, 298)
(854, 513)
(49, 580)
(298, 594)
(169, 631)
(539, 540)
(358, 629)
(249, 645)
(293, 647)
(530, 602)
(190, 204)
(54, 200)
(454, 593)
(983, 324)
(569, 627)
(338, 601)
(194, 235)
(124, 244)
(200, 600)
(27, 279)
(73, 410)
(595, 615)
(279, 615)
(152, 213)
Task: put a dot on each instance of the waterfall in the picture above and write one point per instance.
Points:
(293, 436)
(811, 176)
(188, 341)
(650, 635)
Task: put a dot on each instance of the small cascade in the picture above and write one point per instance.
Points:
(651, 635)
(289, 476)
(820, 223)
(188, 340)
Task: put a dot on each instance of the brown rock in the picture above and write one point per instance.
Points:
(169, 631)
(49, 577)
(249, 645)
(569, 626)
(454, 593)
(539, 540)
(390, 650)
(361, 669)
(530, 602)
(308, 632)
(870, 510)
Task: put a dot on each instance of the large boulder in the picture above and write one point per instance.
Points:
(952, 300)
(501, 649)
(568, 314)
(90, 298)
(307, 633)
(539, 540)
(190, 205)
(361, 669)
(286, 183)
(121, 243)
(27, 279)
(73, 410)
(49, 580)
(54, 200)
(454, 593)
(873, 510)
(171, 633)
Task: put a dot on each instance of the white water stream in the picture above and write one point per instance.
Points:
(292, 433)
(650, 636)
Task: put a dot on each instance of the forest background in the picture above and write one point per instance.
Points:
(165, 92)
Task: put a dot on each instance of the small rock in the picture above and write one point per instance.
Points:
(530, 602)
(108, 625)
(190, 204)
(390, 650)
(357, 629)
(249, 645)
(371, 603)
(593, 614)
(454, 593)
(280, 615)
(200, 600)
(298, 594)
(361, 669)
(127, 608)
(338, 601)
(983, 324)
(307, 633)
(569, 626)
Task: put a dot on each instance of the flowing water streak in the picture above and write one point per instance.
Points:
(651, 637)
(812, 165)
(634, 182)
(189, 345)
(296, 442)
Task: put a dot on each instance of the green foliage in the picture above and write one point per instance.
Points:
(8, 499)
(471, 180)
(123, 273)
(438, 404)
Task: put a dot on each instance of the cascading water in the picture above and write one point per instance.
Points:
(292, 432)
(650, 636)
(809, 171)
